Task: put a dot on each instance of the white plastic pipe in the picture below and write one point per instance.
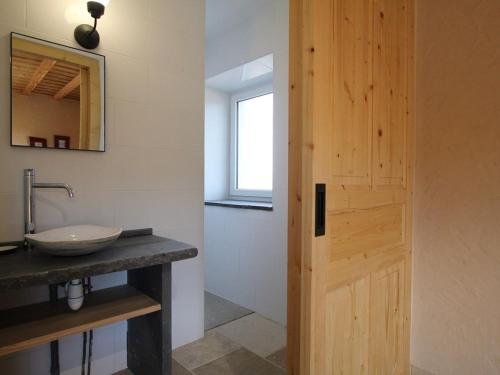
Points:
(75, 294)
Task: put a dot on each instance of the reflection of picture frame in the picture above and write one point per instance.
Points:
(61, 141)
(38, 142)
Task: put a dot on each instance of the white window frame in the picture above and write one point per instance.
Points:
(244, 194)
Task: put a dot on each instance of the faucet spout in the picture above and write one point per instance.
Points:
(50, 185)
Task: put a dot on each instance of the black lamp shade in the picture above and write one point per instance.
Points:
(95, 9)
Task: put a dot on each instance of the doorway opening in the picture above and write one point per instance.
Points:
(246, 189)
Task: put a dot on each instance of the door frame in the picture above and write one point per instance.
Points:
(299, 172)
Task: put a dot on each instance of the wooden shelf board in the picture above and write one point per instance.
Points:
(27, 326)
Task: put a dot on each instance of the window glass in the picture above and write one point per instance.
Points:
(254, 167)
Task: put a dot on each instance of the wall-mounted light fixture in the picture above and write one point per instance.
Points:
(86, 35)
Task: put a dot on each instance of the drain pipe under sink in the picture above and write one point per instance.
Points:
(75, 294)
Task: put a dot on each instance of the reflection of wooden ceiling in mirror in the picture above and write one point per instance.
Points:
(32, 73)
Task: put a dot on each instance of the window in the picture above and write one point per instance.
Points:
(252, 144)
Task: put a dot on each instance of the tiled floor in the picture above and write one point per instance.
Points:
(201, 352)
(241, 362)
(278, 358)
(219, 311)
(248, 344)
(256, 333)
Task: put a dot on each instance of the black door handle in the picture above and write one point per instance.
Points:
(320, 219)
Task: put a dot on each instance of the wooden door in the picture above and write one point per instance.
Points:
(351, 128)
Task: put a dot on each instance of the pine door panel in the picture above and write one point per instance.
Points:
(351, 78)
(390, 95)
(387, 328)
(347, 328)
(365, 230)
(351, 128)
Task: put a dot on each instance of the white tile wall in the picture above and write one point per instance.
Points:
(246, 250)
(217, 115)
(13, 12)
(152, 172)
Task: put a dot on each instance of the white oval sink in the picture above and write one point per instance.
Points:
(74, 240)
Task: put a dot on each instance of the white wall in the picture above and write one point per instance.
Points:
(152, 172)
(456, 300)
(217, 135)
(246, 250)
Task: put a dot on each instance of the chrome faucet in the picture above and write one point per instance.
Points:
(29, 197)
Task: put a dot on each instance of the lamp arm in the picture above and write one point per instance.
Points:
(95, 27)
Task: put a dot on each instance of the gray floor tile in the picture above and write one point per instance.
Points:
(256, 333)
(219, 311)
(177, 369)
(207, 349)
(240, 362)
(278, 358)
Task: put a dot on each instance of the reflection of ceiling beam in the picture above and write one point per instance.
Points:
(70, 86)
(39, 74)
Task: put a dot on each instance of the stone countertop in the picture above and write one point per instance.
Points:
(134, 249)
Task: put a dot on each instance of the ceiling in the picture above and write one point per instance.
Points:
(245, 76)
(57, 76)
(224, 15)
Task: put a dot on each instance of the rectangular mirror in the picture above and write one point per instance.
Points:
(57, 96)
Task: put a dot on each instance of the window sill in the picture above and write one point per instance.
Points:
(246, 205)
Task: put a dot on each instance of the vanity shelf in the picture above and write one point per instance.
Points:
(145, 302)
(27, 326)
